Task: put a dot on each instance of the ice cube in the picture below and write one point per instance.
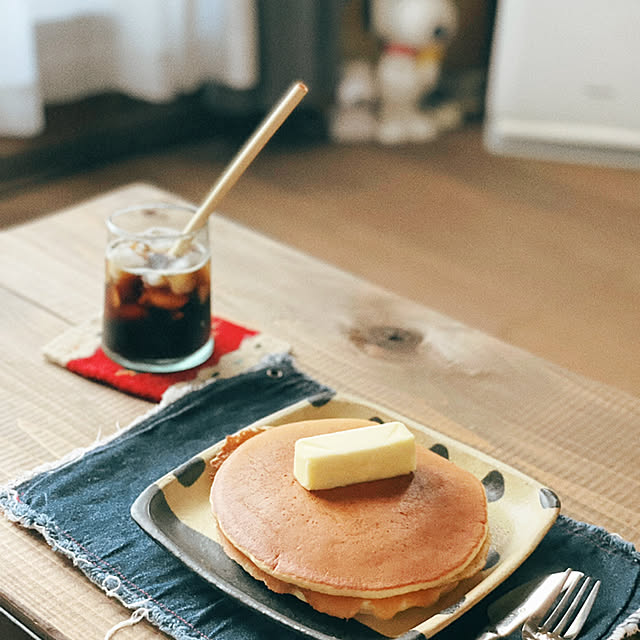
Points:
(165, 299)
(114, 297)
(154, 279)
(158, 261)
(113, 271)
(132, 312)
(125, 256)
(129, 287)
(185, 262)
(182, 282)
(204, 292)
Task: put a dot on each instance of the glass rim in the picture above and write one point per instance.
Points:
(122, 232)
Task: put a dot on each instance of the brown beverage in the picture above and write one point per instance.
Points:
(157, 308)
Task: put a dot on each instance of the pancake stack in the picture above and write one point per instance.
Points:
(375, 547)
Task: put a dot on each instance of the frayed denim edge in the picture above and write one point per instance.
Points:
(626, 629)
(605, 539)
(616, 544)
(111, 584)
(169, 622)
(133, 598)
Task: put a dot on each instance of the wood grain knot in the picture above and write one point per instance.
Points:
(385, 339)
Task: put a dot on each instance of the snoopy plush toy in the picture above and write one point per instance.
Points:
(414, 34)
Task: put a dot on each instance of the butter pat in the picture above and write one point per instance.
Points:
(355, 455)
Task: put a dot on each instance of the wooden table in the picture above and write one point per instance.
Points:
(575, 435)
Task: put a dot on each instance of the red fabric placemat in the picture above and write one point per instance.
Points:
(237, 349)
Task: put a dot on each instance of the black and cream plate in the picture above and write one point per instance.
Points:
(175, 511)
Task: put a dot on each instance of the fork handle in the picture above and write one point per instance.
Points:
(489, 635)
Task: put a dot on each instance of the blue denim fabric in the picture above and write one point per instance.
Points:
(586, 548)
(82, 509)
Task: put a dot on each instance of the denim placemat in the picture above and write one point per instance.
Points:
(592, 550)
(82, 509)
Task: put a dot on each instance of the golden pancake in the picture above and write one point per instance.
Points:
(347, 606)
(369, 541)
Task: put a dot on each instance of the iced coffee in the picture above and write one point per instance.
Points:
(157, 307)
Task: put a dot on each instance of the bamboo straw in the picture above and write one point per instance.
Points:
(244, 158)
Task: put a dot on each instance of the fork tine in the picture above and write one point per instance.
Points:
(580, 619)
(568, 589)
(575, 602)
(533, 629)
(557, 584)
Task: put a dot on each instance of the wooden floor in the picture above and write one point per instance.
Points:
(545, 256)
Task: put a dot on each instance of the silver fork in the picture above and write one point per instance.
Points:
(551, 625)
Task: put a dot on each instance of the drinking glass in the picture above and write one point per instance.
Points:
(157, 303)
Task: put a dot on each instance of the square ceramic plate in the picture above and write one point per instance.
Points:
(175, 512)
